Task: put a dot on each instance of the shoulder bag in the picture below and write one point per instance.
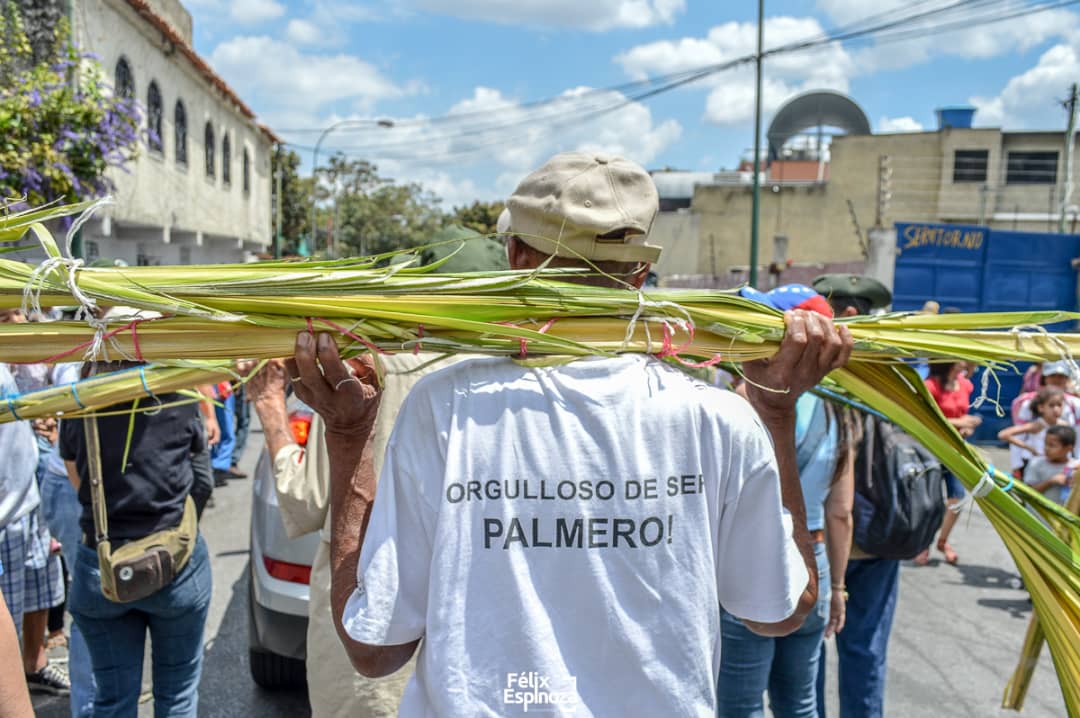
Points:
(143, 567)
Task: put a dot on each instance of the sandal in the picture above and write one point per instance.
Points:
(950, 555)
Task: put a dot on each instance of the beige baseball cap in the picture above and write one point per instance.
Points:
(589, 205)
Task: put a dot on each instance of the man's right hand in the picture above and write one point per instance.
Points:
(346, 399)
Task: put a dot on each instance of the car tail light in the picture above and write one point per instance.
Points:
(285, 571)
(300, 424)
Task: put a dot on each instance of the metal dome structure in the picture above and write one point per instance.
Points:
(817, 108)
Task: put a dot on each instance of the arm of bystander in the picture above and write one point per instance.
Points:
(839, 525)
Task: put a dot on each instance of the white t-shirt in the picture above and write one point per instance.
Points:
(562, 538)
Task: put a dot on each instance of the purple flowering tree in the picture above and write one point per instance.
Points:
(61, 127)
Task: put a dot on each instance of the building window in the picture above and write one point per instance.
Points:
(970, 165)
(125, 82)
(153, 117)
(246, 170)
(180, 133)
(208, 145)
(226, 159)
(1031, 168)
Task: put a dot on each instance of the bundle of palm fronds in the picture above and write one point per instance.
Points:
(254, 311)
(100, 391)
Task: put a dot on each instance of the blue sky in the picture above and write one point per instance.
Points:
(304, 64)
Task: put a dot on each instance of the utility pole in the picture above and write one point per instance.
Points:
(277, 206)
(1070, 140)
(755, 206)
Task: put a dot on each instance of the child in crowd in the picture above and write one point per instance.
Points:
(1052, 473)
(1047, 408)
(1055, 375)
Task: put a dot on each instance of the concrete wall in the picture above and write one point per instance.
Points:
(158, 191)
(175, 14)
(680, 236)
(796, 211)
(816, 218)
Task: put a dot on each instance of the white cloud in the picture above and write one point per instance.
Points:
(899, 124)
(252, 12)
(279, 77)
(594, 15)
(731, 99)
(496, 141)
(1031, 99)
(303, 32)
(329, 23)
(1016, 34)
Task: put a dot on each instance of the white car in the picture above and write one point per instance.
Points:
(280, 573)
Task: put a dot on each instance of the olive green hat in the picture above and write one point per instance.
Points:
(853, 286)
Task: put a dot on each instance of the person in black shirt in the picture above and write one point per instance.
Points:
(143, 496)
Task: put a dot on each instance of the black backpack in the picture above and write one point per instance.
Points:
(899, 502)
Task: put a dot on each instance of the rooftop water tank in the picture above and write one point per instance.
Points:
(957, 117)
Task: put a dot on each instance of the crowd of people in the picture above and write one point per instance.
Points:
(155, 468)
(686, 549)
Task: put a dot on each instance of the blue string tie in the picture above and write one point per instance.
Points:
(10, 399)
(75, 394)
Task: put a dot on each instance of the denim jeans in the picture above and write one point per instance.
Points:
(243, 424)
(787, 667)
(175, 616)
(60, 504)
(221, 452)
(862, 646)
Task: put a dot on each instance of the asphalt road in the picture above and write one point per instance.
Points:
(958, 630)
(954, 644)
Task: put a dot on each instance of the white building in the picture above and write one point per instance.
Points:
(199, 191)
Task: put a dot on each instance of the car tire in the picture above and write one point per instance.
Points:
(275, 672)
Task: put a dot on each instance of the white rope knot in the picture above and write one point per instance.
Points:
(986, 484)
(40, 275)
(981, 490)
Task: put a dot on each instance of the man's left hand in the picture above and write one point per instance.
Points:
(812, 347)
(346, 400)
(268, 384)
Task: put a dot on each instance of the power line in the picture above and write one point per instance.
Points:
(965, 15)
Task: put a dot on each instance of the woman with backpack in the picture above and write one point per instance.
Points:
(951, 389)
(788, 667)
(142, 567)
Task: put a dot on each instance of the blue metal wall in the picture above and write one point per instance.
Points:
(977, 269)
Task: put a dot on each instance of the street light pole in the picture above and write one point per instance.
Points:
(385, 123)
(755, 204)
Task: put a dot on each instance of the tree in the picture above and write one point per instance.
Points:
(479, 216)
(295, 198)
(61, 127)
(373, 214)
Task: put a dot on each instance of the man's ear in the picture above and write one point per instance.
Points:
(849, 311)
(637, 279)
(517, 253)
(521, 255)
